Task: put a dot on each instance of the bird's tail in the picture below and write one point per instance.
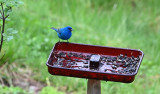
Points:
(54, 29)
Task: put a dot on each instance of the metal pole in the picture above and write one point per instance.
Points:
(94, 86)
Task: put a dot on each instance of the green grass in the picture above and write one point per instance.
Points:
(12, 90)
(50, 90)
(117, 23)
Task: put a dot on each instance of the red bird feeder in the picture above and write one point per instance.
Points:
(94, 62)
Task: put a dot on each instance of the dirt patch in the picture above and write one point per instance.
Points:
(12, 74)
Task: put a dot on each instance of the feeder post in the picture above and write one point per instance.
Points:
(94, 86)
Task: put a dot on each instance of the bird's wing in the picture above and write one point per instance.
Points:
(59, 31)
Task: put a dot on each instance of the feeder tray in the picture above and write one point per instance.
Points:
(94, 62)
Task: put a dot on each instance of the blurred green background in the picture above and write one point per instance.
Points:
(117, 23)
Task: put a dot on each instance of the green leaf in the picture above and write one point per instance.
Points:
(11, 31)
(4, 35)
(8, 10)
(9, 38)
(2, 1)
(50, 90)
(20, 2)
(10, 4)
(9, 34)
(12, 90)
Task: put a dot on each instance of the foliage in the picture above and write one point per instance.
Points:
(118, 23)
(12, 90)
(50, 90)
(6, 7)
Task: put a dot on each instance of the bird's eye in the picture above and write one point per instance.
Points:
(70, 29)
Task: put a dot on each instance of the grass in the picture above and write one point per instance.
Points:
(12, 90)
(117, 23)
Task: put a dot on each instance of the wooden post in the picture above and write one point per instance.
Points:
(94, 86)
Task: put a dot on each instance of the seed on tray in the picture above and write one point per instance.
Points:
(119, 71)
(120, 56)
(60, 63)
(75, 54)
(87, 57)
(119, 60)
(123, 61)
(114, 63)
(137, 59)
(134, 62)
(127, 72)
(132, 70)
(72, 63)
(85, 66)
(80, 55)
(108, 57)
(68, 60)
(113, 71)
(114, 67)
(105, 70)
(63, 55)
(109, 60)
(70, 54)
(121, 64)
(129, 60)
(85, 62)
(76, 60)
(103, 58)
(101, 64)
(125, 57)
(114, 58)
(108, 63)
(132, 57)
(125, 65)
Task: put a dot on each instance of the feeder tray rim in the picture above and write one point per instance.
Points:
(95, 71)
(102, 46)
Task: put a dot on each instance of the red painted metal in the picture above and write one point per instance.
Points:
(92, 49)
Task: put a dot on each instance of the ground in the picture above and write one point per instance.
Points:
(127, 24)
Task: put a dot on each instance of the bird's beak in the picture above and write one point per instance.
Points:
(71, 29)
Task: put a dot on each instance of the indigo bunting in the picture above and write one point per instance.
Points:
(64, 33)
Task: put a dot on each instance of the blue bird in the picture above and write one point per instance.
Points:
(64, 33)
